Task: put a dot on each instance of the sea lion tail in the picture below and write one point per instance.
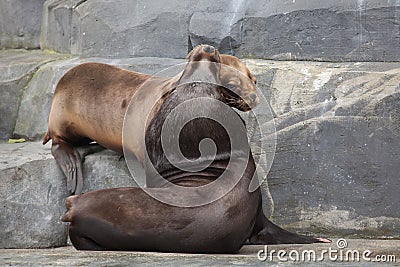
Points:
(46, 137)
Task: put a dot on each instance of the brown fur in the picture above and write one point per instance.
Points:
(91, 99)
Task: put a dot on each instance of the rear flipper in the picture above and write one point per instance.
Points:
(267, 233)
(70, 162)
(78, 239)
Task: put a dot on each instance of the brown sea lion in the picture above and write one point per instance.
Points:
(90, 102)
(129, 219)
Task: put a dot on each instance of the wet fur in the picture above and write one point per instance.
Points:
(91, 99)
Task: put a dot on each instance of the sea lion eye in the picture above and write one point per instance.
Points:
(232, 86)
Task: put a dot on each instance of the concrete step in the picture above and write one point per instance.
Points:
(388, 252)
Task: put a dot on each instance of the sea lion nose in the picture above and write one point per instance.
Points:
(208, 49)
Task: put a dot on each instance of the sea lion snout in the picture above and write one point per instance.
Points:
(204, 53)
(208, 49)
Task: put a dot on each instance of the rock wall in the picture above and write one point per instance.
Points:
(339, 30)
(16, 70)
(20, 22)
(336, 165)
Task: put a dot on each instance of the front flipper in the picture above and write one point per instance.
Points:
(70, 162)
(267, 233)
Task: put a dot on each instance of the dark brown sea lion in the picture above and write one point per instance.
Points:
(129, 219)
(90, 102)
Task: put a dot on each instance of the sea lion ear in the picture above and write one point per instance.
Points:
(190, 53)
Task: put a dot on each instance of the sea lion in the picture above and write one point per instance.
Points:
(90, 102)
(129, 219)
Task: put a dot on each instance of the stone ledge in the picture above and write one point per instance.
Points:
(17, 68)
(282, 30)
(33, 191)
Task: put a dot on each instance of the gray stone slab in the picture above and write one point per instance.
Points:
(324, 89)
(33, 191)
(358, 105)
(16, 69)
(106, 170)
(286, 30)
(218, 28)
(336, 176)
(247, 256)
(313, 30)
(117, 29)
(337, 146)
(20, 23)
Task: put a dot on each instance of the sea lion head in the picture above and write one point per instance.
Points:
(203, 65)
(240, 83)
(204, 52)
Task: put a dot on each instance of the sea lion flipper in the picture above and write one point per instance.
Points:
(267, 233)
(69, 160)
(82, 242)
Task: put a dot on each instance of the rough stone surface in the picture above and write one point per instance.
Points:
(352, 30)
(321, 30)
(20, 23)
(118, 28)
(35, 104)
(16, 69)
(247, 256)
(336, 164)
(106, 169)
(33, 191)
(338, 175)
